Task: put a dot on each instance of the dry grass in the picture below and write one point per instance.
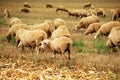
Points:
(85, 65)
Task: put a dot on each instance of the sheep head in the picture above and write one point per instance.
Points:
(45, 43)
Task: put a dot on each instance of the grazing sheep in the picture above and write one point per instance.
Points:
(12, 31)
(46, 26)
(85, 22)
(106, 28)
(49, 5)
(87, 5)
(92, 12)
(83, 13)
(60, 31)
(92, 28)
(73, 13)
(58, 22)
(11, 20)
(101, 12)
(116, 14)
(25, 10)
(113, 38)
(27, 5)
(58, 45)
(31, 38)
(61, 8)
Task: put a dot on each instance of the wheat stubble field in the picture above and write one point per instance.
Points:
(90, 59)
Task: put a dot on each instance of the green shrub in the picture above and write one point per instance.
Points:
(79, 44)
(13, 40)
(4, 38)
(100, 46)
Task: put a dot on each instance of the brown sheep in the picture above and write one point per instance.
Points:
(106, 28)
(49, 5)
(116, 14)
(85, 22)
(25, 10)
(92, 28)
(58, 45)
(87, 5)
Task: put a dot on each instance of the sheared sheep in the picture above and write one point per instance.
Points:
(113, 38)
(58, 22)
(87, 5)
(92, 28)
(25, 10)
(58, 45)
(101, 12)
(11, 20)
(47, 26)
(60, 31)
(27, 5)
(31, 38)
(116, 14)
(85, 22)
(106, 28)
(12, 31)
(49, 5)
(61, 8)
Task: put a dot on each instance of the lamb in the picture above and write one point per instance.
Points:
(25, 10)
(58, 22)
(101, 12)
(92, 28)
(60, 31)
(58, 45)
(85, 22)
(106, 28)
(49, 5)
(61, 8)
(87, 5)
(12, 31)
(27, 5)
(113, 39)
(116, 14)
(47, 26)
(11, 20)
(31, 38)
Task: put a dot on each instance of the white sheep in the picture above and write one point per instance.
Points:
(27, 5)
(101, 12)
(106, 28)
(47, 26)
(87, 5)
(58, 45)
(31, 38)
(12, 31)
(116, 14)
(85, 22)
(49, 5)
(113, 38)
(60, 31)
(58, 22)
(92, 28)
(25, 10)
(11, 20)
(61, 8)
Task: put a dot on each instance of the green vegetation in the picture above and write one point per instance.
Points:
(3, 22)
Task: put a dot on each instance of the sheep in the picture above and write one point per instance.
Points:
(49, 5)
(25, 10)
(116, 14)
(92, 28)
(27, 5)
(61, 8)
(106, 28)
(31, 38)
(101, 12)
(87, 5)
(73, 13)
(60, 31)
(47, 26)
(58, 45)
(92, 12)
(113, 39)
(58, 22)
(11, 20)
(85, 22)
(12, 31)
